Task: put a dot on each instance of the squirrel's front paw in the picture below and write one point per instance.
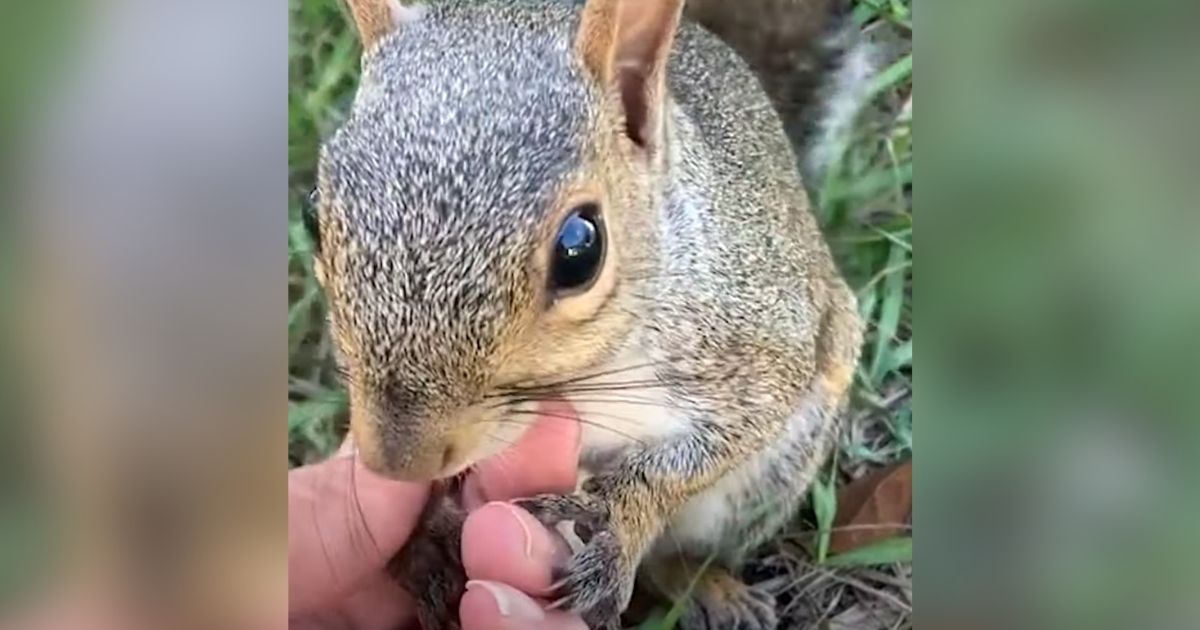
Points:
(597, 581)
(430, 568)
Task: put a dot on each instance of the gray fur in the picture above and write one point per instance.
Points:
(813, 64)
(434, 194)
(434, 188)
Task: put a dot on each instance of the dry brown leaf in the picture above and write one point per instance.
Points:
(872, 508)
(860, 617)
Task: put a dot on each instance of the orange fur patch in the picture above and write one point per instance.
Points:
(838, 379)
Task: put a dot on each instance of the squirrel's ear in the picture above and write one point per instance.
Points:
(376, 18)
(625, 45)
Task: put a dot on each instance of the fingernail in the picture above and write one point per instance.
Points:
(566, 529)
(516, 515)
(511, 602)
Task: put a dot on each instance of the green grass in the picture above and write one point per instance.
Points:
(322, 71)
(865, 209)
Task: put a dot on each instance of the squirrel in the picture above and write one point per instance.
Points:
(597, 202)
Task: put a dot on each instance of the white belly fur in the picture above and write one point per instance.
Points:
(627, 416)
(617, 420)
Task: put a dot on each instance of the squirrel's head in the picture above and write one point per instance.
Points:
(484, 209)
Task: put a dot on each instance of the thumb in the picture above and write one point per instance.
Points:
(344, 524)
(545, 459)
(497, 606)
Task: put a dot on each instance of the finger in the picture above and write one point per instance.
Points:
(380, 604)
(545, 459)
(504, 543)
(344, 523)
(497, 606)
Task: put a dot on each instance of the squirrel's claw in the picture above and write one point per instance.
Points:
(597, 581)
(733, 605)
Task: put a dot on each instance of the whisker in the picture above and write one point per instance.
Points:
(502, 460)
(599, 387)
(622, 388)
(591, 423)
(585, 377)
(552, 392)
(497, 401)
(507, 443)
(584, 420)
(643, 402)
(362, 517)
(513, 403)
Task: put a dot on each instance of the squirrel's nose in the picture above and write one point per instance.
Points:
(394, 437)
(397, 451)
(412, 459)
(402, 436)
(407, 452)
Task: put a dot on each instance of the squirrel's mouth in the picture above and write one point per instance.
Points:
(458, 457)
(454, 470)
(454, 483)
(483, 450)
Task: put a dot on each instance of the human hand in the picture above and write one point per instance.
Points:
(345, 523)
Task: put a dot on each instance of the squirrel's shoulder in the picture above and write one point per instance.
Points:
(730, 117)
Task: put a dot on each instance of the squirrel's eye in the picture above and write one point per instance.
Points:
(578, 250)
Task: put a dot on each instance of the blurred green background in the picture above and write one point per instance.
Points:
(1062, 274)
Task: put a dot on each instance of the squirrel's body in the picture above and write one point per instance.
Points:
(702, 307)
(708, 355)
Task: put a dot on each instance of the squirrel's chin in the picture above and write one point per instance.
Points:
(456, 473)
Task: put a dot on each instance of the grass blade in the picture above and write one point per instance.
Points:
(895, 74)
(888, 551)
(889, 315)
(825, 508)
